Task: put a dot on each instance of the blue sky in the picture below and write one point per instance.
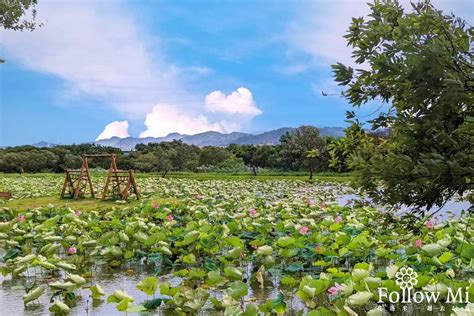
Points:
(97, 69)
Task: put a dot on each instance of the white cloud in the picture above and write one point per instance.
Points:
(220, 113)
(165, 119)
(98, 49)
(320, 25)
(114, 129)
(239, 102)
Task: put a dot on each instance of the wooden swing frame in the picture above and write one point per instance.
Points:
(77, 180)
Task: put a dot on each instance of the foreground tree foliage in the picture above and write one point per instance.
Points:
(420, 64)
(12, 12)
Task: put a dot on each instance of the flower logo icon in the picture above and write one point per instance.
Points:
(406, 278)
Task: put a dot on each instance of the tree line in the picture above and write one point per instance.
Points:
(301, 150)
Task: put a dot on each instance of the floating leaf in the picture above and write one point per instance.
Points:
(33, 294)
(59, 307)
(148, 285)
(96, 291)
(359, 298)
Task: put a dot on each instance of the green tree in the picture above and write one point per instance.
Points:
(303, 149)
(420, 65)
(246, 152)
(341, 149)
(212, 156)
(265, 156)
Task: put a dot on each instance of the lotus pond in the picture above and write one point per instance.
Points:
(228, 248)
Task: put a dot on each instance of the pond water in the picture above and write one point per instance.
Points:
(453, 207)
(11, 293)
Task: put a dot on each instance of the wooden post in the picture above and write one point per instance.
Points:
(134, 185)
(106, 186)
(79, 180)
(65, 185)
(88, 173)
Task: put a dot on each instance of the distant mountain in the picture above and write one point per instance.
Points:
(43, 144)
(266, 138)
(214, 138)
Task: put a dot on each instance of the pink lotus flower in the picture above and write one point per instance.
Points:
(334, 290)
(71, 250)
(155, 205)
(77, 213)
(303, 230)
(170, 218)
(21, 218)
(253, 212)
(199, 196)
(318, 248)
(310, 202)
(418, 243)
(338, 219)
(429, 224)
(322, 205)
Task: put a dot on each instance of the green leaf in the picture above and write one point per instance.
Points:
(33, 294)
(392, 270)
(286, 241)
(288, 280)
(148, 285)
(321, 311)
(264, 250)
(233, 273)
(278, 304)
(214, 278)
(118, 296)
(359, 298)
(11, 254)
(433, 249)
(124, 304)
(359, 274)
(445, 257)
(467, 251)
(77, 279)
(238, 289)
(59, 307)
(96, 291)
(189, 258)
(154, 303)
(250, 310)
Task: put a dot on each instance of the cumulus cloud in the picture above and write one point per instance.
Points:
(114, 129)
(220, 113)
(164, 119)
(239, 102)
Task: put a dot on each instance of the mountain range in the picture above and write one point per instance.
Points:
(208, 138)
